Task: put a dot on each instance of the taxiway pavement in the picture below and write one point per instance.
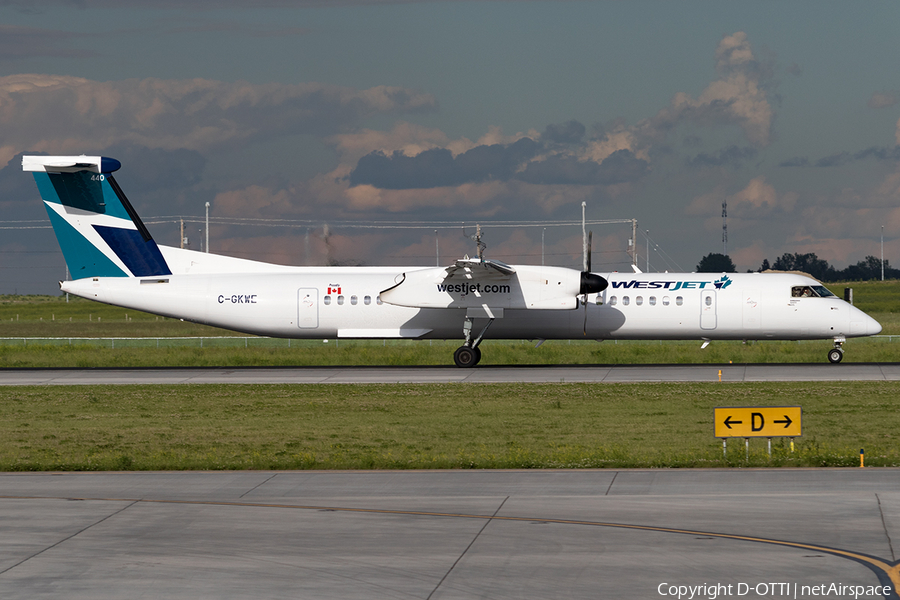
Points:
(451, 374)
(447, 534)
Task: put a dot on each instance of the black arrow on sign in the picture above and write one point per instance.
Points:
(728, 422)
(787, 421)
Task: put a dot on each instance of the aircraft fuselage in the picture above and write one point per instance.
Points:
(321, 302)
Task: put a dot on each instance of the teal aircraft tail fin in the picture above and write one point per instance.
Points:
(98, 230)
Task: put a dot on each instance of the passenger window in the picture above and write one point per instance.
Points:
(340, 300)
(613, 300)
(652, 300)
(639, 300)
(367, 300)
(665, 300)
(353, 300)
(599, 299)
(679, 300)
(625, 300)
(708, 300)
(326, 300)
(378, 300)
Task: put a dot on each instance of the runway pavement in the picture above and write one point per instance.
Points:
(450, 534)
(450, 374)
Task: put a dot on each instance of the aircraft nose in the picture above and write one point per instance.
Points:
(862, 324)
(873, 327)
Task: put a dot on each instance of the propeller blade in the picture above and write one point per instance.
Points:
(590, 241)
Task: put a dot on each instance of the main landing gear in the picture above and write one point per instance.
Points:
(468, 355)
(836, 354)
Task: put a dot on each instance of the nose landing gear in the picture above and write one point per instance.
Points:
(836, 354)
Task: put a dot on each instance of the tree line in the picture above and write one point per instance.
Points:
(867, 269)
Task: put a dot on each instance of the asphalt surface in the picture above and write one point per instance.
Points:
(448, 534)
(451, 374)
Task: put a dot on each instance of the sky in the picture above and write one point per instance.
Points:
(381, 133)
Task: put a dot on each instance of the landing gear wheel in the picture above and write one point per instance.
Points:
(835, 355)
(466, 356)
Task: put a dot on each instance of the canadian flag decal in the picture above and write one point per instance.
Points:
(334, 290)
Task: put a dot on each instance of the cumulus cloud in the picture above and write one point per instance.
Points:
(738, 97)
(438, 167)
(797, 161)
(615, 154)
(526, 160)
(884, 99)
(732, 156)
(884, 153)
(758, 200)
(61, 114)
(404, 137)
(621, 166)
(569, 132)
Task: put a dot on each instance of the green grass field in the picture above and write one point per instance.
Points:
(433, 426)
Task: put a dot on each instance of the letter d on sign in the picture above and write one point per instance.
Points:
(753, 421)
(742, 589)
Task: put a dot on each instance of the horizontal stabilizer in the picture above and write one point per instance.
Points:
(68, 164)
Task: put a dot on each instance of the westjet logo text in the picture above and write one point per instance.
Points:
(720, 284)
(472, 288)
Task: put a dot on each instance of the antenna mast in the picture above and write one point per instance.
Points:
(725, 227)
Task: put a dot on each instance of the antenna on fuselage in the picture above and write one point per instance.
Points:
(478, 243)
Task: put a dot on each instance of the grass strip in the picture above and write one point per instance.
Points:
(427, 426)
(275, 352)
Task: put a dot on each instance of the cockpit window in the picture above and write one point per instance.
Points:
(810, 291)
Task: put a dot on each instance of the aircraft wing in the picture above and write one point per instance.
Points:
(472, 264)
(488, 286)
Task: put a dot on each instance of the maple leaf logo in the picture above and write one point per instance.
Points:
(722, 283)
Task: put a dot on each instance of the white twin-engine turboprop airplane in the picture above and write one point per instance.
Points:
(113, 259)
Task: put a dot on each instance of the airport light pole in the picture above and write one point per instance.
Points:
(207, 227)
(584, 237)
(542, 245)
(648, 251)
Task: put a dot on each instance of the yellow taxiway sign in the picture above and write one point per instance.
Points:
(758, 421)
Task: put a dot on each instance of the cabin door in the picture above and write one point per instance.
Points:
(707, 309)
(307, 308)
